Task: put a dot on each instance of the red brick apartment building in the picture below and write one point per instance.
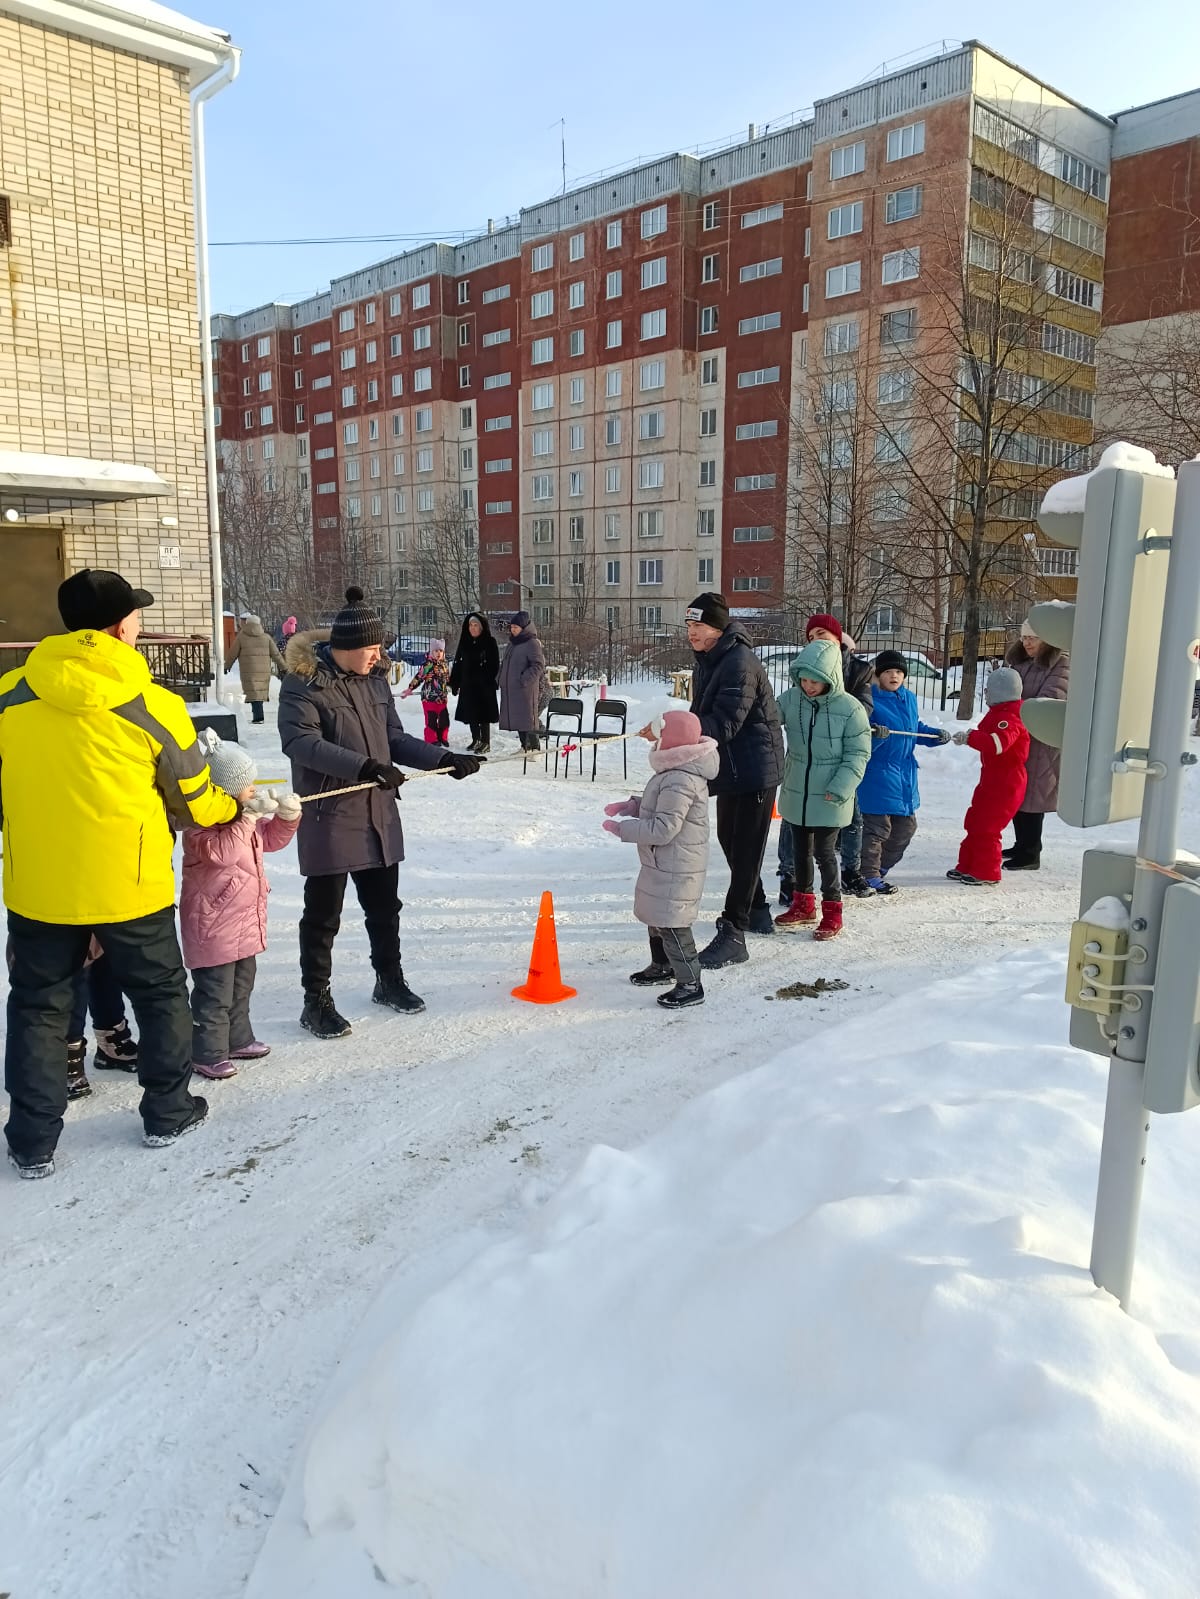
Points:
(610, 391)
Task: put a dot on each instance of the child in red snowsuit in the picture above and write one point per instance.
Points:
(432, 677)
(1002, 740)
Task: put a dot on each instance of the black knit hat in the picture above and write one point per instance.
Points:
(711, 608)
(890, 661)
(356, 627)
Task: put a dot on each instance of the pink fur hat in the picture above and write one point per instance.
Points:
(679, 728)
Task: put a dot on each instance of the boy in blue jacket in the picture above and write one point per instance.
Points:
(888, 793)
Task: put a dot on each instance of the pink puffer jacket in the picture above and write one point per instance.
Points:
(223, 906)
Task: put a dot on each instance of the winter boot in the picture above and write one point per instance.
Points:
(727, 949)
(1022, 863)
(761, 920)
(682, 994)
(251, 1051)
(78, 1086)
(157, 1140)
(882, 886)
(116, 1049)
(786, 889)
(320, 1015)
(802, 909)
(216, 1070)
(831, 920)
(391, 990)
(650, 976)
(32, 1168)
(855, 883)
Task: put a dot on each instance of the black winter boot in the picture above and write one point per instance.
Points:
(159, 1140)
(650, 976)
(727, 949)
(321, 1017)
(682, 994)
(391, 990)
(761, 919)
(78, 1086)
(855, 883)
(116, 1048)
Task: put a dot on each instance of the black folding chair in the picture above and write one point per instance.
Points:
(609, 711)
(570, 711)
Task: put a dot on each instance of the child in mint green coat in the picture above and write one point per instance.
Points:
(828, 746)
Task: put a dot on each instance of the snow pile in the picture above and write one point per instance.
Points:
(1109, 912)
(831, 1333)
(1068, 496)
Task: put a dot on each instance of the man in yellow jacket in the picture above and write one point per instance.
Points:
(96, 760)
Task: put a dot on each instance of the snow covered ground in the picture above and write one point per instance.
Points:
(827, 1329)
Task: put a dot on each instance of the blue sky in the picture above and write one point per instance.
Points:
(386, 118)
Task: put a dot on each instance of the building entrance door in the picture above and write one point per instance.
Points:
(31, 568)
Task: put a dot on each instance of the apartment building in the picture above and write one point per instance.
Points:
(101, 431)
(616, 391)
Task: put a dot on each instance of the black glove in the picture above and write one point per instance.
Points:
(944, 736)
(458, 766)
(377, 772)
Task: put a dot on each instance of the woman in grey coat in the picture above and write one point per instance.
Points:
(521, 674)
(255, 652)
(669, 825)
(1045, 674)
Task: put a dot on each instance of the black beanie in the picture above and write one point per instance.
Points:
(889, 661)
(357, 626)
(711, 608)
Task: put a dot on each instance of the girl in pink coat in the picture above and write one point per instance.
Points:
(223, 910)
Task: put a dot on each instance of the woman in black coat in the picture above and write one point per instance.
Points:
(473, 676)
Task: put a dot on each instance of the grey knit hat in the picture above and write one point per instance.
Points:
(1003, 686)
(357, 625)
(229, 765)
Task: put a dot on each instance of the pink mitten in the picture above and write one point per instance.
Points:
(612, 827)
(617, 808)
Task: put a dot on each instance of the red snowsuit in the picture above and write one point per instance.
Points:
(1002, 740)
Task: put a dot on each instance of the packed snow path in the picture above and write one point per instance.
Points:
(171, 1318)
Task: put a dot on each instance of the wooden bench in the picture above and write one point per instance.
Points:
(681, 686)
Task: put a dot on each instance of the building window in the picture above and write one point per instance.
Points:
(898, 327)
(497, 380)
(543, 486)
(612, 525)
(901, 265)
(706, 523)
(371, 350)
(422, 337)
(650, 474)
(654, 221)
(575, 248)
(500, 336)
(497, 424)
(423, 378)
(543, 441)
(543, 396)
(266, 416)
(895, 388)
(1057, 562)
(902, 204)
(369, 311)
(764, 374)
(654, 273)
(612, 480)
(654, 324)
(346, 320)
(708, 474)
(612, 573)
(264, 381)
(575, 529)
(804, 299)
(710, 269)
(612, 383)
(612, 285)
(893, 445)
(502, 463)
(543, 615)
(577, 391)
(712, 215)
(649, 616)
(650, 524)
(708, 319)
(841, 337)
(753, 535)
(613, 235)
(847, 159)
(464, 337)
(542, 352)
(844, 279)
(704, 569)
(612, 430)
(500, 292)
(650, 573)
(765, 213)
(761, 269)
(423, 419)
(744, 585)
(575, 341)
(574, 484)
(708, 423)
(372, 390)
(466, 416)
(464, 378)
(709, 369)
(425, 459)
(542, 304)
(652, 424)
(903, 142)
(759, 324)
(543, 530)
(575, 436)
(754, 482)
(844, 220)
(653, 375)
(612, 335)
(543, 574)
(349, 432)
(420, 297)
(424, 499)
(541, 258)
(575, 294)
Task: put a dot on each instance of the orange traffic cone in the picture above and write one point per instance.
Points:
(775, 816)
(544, 985)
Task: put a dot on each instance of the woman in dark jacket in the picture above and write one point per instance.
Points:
(1044, 673)
(521, 673)
(473, 677)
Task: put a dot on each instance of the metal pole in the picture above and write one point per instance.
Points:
(1126, 1122)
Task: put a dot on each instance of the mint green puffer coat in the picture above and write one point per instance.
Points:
(828, 742)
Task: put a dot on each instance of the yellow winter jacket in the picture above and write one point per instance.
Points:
(93, 754)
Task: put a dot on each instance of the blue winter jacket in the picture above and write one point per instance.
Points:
(889, 787)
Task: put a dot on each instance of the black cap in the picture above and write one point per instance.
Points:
(94, 598)
(890, 661)
(711, 608)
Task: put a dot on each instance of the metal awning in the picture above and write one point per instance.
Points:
(41, 483)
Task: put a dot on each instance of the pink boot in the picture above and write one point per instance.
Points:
(831, 919)
(216, 1070)
(251, 1051)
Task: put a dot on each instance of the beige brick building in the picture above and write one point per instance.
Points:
(102, 440)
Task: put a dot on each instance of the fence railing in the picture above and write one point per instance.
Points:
(180, 664)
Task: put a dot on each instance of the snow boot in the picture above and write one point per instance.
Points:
(649, 976)
(251, 1051)
(682, 994)
(761, 920)
(160, 1140)
(971, 882)
(320, 1015)
(882, 886)
(802, 909)
(728, 948)
(216, 1070)
(116, 1048)
(831, 920)
(855, 883)
(31, 1168)
(78, 1086)
(391, 990)
(1022, 863)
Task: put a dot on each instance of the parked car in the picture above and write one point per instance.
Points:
(920, 668)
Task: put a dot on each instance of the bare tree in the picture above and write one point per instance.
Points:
(266, 539)
(999, 353)
(447, 547)
(1149, 381)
